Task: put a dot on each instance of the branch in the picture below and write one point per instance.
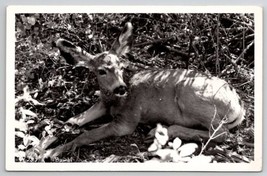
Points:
(250, 27)
(154, 41)
(239, 58)
(178, 52)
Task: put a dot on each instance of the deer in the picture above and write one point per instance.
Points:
(190, 103)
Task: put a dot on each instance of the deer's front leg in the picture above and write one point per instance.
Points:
(108, 130)
(96, 111)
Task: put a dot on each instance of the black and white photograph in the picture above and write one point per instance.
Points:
(126, 88)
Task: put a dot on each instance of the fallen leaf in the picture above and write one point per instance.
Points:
(161, 134)
(19, 134)
(187, 149)
(176, 143)
(201, 159)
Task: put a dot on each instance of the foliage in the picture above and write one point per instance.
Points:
(49, 91)
(174, 151)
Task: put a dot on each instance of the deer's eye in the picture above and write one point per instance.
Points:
(102, 72)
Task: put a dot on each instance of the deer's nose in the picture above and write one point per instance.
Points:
(120, 91)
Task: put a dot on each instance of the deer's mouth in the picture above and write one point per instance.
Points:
(120, 91)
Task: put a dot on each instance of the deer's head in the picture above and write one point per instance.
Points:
(107, 65)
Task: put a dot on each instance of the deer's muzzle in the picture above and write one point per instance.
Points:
(120, 91)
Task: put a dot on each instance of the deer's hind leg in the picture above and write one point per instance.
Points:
(187, 133)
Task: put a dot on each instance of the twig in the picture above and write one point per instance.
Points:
(234, 158)
(239, 58)
(244, 83)
(248, 19)
(211, 138)
(250, 64)
(215, 130)
(243, 41)
(232, 61)
(213, 135)
(154, 41)
(236, 37)
(178, 52)
(250, 27)
(217, 46)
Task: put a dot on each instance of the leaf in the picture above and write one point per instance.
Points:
(30, 122)
(97, 93)
(27, 112)
(201, 159)
(34, 153)
(176, 143)
(165, 154)
(245, 158)
(170, 144)
(43, 133)
(20, 125)
(19, 134)
(48, 130)
(51, 83)
(41, 85)
(35, 95)
(27, 97)
(153, 147)
(175, 157)
(35, 102)
(20, 154)
(31, 20)
(26, 140)
(67, 128)
(161, 134)
(187, 149)
(26, 92)
(110, 158)
(23, 115)
(69, 26)
(51, 24)
(185, 159)
(90, 36)
(153, 160)
(21, 147)
(34, 140)
(90, 17)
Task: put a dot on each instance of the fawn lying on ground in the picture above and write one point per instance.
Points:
(181, 99)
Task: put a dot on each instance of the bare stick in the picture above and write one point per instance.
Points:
(239, 58)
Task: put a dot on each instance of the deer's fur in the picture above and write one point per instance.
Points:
(181, 99)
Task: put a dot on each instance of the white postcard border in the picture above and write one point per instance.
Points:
(11, 165)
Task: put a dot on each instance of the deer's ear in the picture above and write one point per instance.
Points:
(122, 44)
(73, 54)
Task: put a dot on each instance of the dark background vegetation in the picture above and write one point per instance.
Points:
(218, 44)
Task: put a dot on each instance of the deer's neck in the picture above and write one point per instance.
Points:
(109, 99)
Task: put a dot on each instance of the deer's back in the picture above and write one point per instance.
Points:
(181, 97)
